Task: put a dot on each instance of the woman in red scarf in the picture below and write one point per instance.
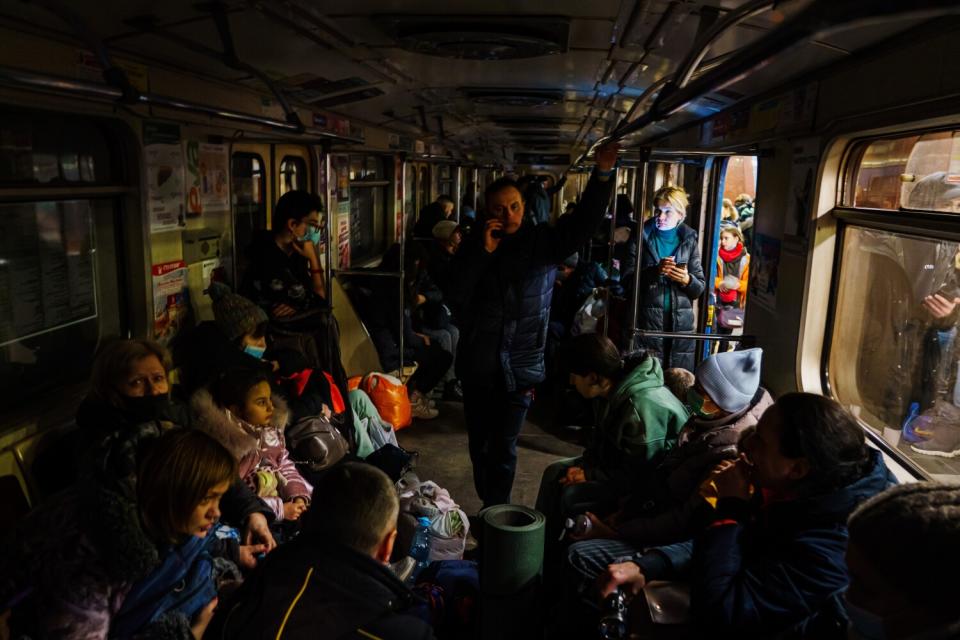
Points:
(733, 269)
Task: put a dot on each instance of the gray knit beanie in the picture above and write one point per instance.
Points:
(731, 378)
(235, 315)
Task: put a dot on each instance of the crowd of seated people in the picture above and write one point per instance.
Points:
(244, 499)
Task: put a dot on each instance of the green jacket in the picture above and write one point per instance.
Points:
(639, 421)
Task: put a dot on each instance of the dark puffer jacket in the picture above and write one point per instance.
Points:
(502, 299)
(314, 588)
(650, 314)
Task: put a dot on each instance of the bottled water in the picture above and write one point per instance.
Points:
(420, 548)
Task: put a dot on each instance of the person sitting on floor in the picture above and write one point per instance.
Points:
(771, 559)
(333, 580)
(637, 420)
(665, 505)
(242, 413)
(133, 551)
(898, 595)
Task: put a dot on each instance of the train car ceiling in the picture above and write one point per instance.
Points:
(512, 77)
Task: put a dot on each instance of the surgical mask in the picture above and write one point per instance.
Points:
(864, 625)
(146, 408)
(254, 350)
(312, 235)
(695, 401)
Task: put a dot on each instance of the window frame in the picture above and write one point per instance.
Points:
(929, 225)
(298, 162)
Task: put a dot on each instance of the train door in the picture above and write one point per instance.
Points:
(729, 246)
(251, 197)
(423, 187)
(292, 169)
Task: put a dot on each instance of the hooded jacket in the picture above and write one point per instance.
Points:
(762, 570)
(501, 300)
(653, 288)
(256, 449)
(80, 555)
(314, 588)
(664, 509)
(641, 419)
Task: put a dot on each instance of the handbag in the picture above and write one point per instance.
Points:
(730, 317)
(316, 443)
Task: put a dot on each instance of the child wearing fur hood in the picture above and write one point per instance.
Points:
(240, 411)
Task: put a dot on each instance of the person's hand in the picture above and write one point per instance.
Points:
(574, 475)
(723, 288)
(606, 156)
(419, 300)
(258, 529)
(625, 574)
(598, 529)
(326, 411)
(677, 274)
(939, 306)
(292, 510)
(732, 479)
(621, 235)
(283, 311)
(249, 553)
(424, 337)
(202, 620)
(490, 243)
(274, 365)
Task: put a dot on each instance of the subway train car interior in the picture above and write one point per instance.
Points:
(421, 319)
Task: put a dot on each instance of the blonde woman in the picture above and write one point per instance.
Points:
(671, 278)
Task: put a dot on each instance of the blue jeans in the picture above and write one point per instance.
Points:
(494, 417)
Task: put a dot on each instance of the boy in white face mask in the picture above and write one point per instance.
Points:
(896, 594)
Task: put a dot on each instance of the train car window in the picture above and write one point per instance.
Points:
(410, 193)
(445, 180)
(368, 218)
(52, 150)
(249, 202)
(920, 172)
(423, 188)
(293, 174)
(894, 352)
(59, 254)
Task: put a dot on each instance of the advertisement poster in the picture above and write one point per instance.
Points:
(803, 175)
(170, 302)
(207, 177)
(163, 163)
(765, 267)
(342, 169)
(343, 235)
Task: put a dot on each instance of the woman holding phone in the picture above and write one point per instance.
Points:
(671, 278)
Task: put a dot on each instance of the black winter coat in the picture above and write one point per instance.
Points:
(501, 300)
(650, 313)
(313, 588)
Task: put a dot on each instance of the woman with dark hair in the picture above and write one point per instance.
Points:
(131, 551)
(771, 559)
(636, 419)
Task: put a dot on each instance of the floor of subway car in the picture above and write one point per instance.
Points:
(444, 458)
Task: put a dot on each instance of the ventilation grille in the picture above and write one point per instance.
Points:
(479, 37)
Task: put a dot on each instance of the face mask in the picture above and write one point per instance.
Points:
(312, 235)
(255, 351)
(864, 625)
(695, 401)
(146, 408)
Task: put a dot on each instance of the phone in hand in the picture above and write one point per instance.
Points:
(680, 265)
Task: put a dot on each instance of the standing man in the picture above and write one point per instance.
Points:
(503, 283)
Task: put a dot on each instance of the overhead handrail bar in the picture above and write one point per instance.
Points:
(27, 79)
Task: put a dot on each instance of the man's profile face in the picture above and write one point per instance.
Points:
(507, 206)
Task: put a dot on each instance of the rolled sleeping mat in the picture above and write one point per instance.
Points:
(512, 549)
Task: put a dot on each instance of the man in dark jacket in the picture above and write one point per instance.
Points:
(771, 559)
(504, 283)
(333, 580)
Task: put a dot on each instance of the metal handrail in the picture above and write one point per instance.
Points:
(709, 337)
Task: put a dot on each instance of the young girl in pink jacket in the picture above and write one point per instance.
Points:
(240, 411)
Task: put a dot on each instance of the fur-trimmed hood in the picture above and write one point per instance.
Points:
(238, 436)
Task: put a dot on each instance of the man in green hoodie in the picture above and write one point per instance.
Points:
(637, 420)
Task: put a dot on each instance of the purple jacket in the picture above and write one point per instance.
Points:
(260, 451)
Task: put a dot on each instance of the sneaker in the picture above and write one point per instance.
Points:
(453, 392)
(420, 408)
(945, 442)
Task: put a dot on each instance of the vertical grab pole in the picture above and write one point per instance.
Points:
(635, 298)
(327, 259)
(457, 186)
(403, 238)
(611, 245)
